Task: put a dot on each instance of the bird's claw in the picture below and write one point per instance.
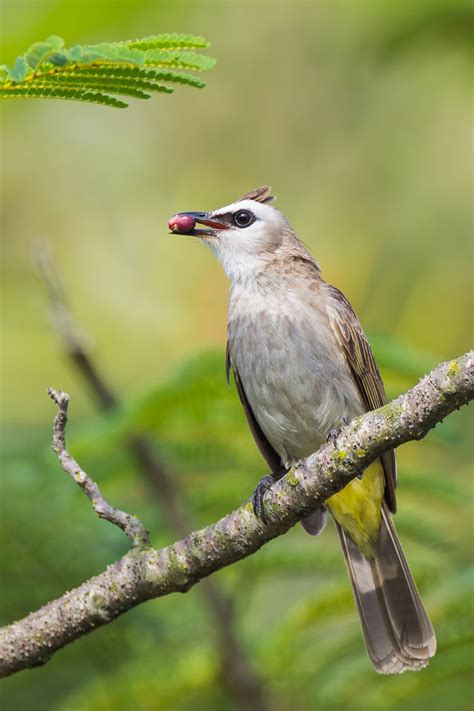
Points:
(263, 485)
(333, 434)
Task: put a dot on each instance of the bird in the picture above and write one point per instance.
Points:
(303, 367)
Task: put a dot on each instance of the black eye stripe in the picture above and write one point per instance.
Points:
(228, 218)
(225, 217)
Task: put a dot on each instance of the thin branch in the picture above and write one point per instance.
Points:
(146, 574)
(75, 343)
(130, 525)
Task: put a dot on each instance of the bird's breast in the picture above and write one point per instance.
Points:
(295, 375)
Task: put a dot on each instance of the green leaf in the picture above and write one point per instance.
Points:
(131, 68)
(169, 41)
(95, 82)
(39, 51)
(106, 51)
(55, 42)
(179, 78)
(140, 73)
(19, 70)
(76, 94)
(59, 60)
(186, 60)
(109, 87)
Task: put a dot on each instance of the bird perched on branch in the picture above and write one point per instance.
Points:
(303, 366)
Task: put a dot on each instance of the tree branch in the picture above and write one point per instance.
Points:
(130, 525)
(145, 574)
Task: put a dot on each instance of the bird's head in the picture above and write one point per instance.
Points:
(244, 235)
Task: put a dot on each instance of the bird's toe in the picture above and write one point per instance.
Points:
(263, 485)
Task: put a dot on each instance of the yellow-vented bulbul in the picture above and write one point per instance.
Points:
(302, 366)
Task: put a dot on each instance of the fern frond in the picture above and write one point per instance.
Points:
(22, 91)
(18, 72)
(112, 87)
(110, 52)
(40, 51)
(179, 78)
(114, 84)
(124, 71)
(174, 58)
(130, 68)
(145, 74)
(169, 41)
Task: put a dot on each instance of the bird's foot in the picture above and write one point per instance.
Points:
(262, 487)
(333, 434)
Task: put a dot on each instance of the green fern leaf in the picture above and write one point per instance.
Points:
(108, 52)
(110, 87)
(173, 58)
(115, 85)
(146, 74)
(169, 41)
(47, 92)
(59, 60)
(39, 51)
(18, 73)
(104, 87)
(179, 78)
(90, 72)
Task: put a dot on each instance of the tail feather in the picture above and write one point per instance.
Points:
(397, 631)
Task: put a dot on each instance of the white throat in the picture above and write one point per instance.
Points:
(239, 265)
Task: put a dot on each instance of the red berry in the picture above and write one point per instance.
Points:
(182, 223)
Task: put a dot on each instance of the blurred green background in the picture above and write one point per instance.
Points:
(359, 116)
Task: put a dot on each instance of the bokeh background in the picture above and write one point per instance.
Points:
(359, 115)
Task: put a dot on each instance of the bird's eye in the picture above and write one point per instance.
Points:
(243, 218)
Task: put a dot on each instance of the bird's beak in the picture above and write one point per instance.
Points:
(185, 223)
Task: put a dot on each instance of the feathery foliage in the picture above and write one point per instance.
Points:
(99, 73)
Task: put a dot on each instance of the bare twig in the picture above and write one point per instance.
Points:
(129, 524)
(146, 574)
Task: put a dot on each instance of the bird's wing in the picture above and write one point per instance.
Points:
(366, 374)
(266, 450)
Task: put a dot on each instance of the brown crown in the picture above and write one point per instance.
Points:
(259, 194)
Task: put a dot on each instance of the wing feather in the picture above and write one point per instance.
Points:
(266, 450)
(366, 374)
